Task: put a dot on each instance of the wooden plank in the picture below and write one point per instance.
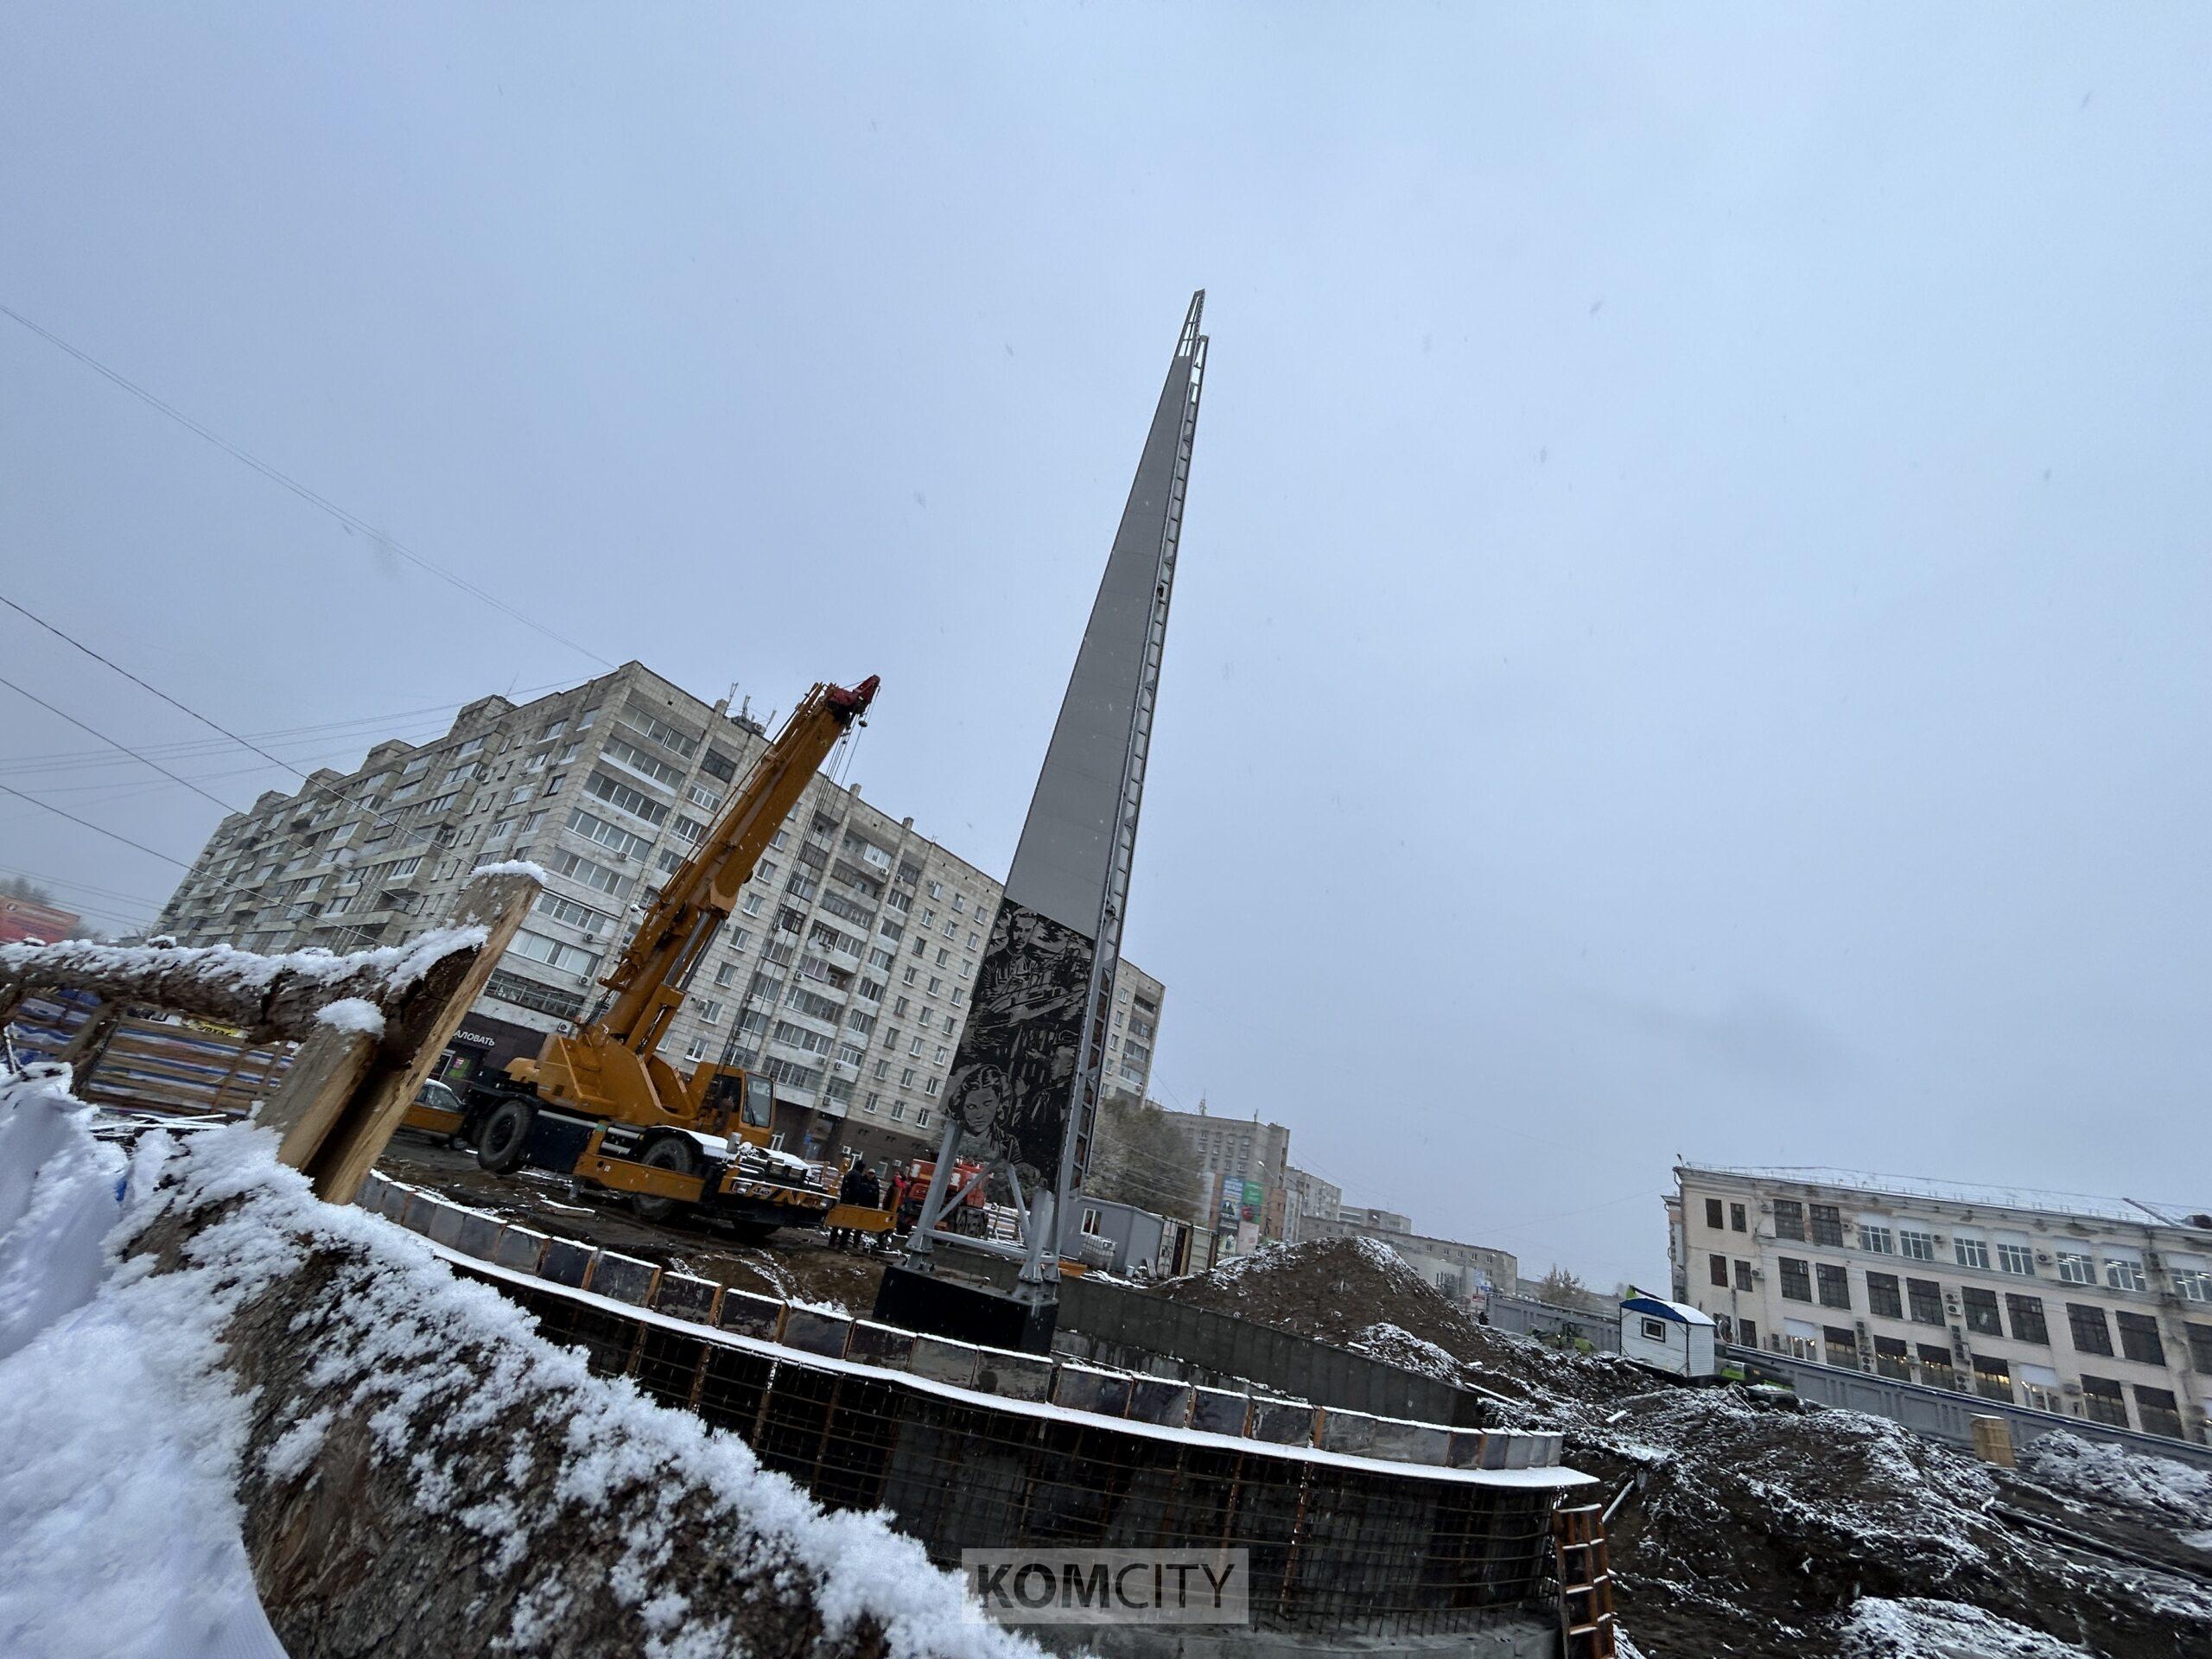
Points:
(418, 1027)
(325, 1074)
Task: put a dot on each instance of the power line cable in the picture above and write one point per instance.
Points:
(350, 520)
(109, 661)
(63, 713)
(397, 723)
(6, 789)
(45, 878)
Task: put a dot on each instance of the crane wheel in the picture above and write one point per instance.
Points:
(499, 1143)
(679, 1156)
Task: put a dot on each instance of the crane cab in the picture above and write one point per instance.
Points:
(734, 1103)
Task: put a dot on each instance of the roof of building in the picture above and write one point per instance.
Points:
(1998, 1198)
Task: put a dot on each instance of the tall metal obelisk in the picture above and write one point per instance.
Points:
(1023, 1095)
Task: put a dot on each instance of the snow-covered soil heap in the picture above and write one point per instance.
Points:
(221, 1385)
(1761, 1532)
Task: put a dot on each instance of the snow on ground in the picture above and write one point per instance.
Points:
(118, 1519)
(1917, 1628)
(2094, 1469)
(120, 1513)
(1396, 1345)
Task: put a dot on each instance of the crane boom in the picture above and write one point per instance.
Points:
(647, 985)
(607, 1070)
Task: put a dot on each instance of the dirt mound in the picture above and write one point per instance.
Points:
(1361, 1293)
(1746, 1527)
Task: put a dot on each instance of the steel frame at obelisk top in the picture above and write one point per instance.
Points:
(1040, 1211)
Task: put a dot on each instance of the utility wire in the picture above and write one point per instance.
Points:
(111, 662)
(94, 827)
(46, 880)
(351, 521)
(115, 743)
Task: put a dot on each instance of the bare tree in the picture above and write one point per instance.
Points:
(1142, 1158)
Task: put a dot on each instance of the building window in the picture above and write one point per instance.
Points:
(1718, 1267)
(1842, 1346)
(1890, 1358)
(1090, 1221)
(2076, 1268)
(922, 1118)
(1980, 1308)
(2103, 1402)
(1738, 1223)
(871, 1103)
(2087, 1325)
(1926, 1297)
(1747, 1332)
(1742, 1275)
(1882, 1296)
(1789, 1219)
(1876, 1241)
(1796, 1280)
(2200, 1347)
(2156, 1408)
(1712, 1206)
(1992, 1378)
(2124, 1273)
(1916, 1246)
(1834, 1285)
(1971, 1252)
(2139, 1339)
(1827, 1226)
(2193, 1284)
(2016, 1258)
(2025, 1313)
(1935, 1367)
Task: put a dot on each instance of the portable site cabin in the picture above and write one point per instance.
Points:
(1666, 1337)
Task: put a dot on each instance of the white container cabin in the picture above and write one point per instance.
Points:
(1669, 1336)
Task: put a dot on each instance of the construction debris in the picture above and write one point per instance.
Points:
(1741, 1526)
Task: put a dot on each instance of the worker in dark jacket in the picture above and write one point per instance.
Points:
(849, 1191)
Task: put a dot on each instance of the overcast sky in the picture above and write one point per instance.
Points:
(1690, 635)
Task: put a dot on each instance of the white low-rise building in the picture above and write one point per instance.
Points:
(2097, 1308)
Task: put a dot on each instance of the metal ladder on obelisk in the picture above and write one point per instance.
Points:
(1074, 1148)
(1585, 1583)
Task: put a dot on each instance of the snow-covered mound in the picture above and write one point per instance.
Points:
(2174, 1493)
(1918, 1629)
(211, 1369)
(1749, 1530)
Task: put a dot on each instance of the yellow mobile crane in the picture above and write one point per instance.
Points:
(599, 1103)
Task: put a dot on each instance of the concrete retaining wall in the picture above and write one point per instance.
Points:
(1119, 1325)
(1358, 1525)
(1945, 1414)
(1525, 1318)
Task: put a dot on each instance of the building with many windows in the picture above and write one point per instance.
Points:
(2098, 1308)
(845, 974)
(1307, 1197)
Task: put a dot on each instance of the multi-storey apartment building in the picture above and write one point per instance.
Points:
(845, 974)
(2099, 1309)
(1307, 1195)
